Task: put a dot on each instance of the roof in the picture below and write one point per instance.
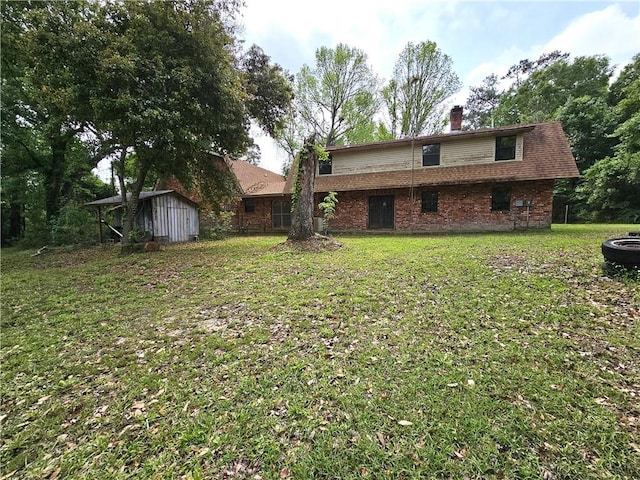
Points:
(444, 137)
(546, 156)
(257, 181)
(116, 200)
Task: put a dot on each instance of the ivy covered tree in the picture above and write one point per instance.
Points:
(302, 195)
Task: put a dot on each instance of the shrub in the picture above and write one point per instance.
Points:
(215, 226)
(73, 225)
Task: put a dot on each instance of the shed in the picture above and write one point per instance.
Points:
(165, 215)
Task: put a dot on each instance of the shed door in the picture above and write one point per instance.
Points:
(381, 211)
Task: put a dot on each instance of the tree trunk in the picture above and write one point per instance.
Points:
(54, 177)
(302, 201)
(130, 206)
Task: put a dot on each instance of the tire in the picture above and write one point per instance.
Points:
(623, 251)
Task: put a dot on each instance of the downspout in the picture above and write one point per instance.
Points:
(413, 154)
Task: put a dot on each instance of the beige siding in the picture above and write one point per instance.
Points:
(456, 153)
(375, 160)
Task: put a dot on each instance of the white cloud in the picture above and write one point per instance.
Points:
(382, 28)
(608, 32)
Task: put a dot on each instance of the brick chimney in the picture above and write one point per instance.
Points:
(456, 119)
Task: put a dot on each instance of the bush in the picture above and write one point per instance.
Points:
(215, 226)
(73, 225)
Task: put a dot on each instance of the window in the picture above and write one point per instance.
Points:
(281, 214)
(431, 154)
(249, 206)
(325, 166)
(501, 199)
(429, 202)
(506, 148)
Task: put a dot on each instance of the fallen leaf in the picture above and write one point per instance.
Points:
(460, 453)
(43, 399)
(404, 423)
(137, 406)
(471, 382)
(10, 474)
(380, 438)
(55, 473)
(364, 471)
(284, 473)
(452, 385)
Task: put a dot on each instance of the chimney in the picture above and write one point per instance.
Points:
(456, 119)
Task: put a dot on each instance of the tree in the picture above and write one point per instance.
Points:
(47, 52)
(610, 187)
(302, 195)
(589, 123)
(540, 96)
(328, 208)
(169, 89)
(269, 90)
(423, 79)
(338, 98)
(521, 70)
(481, 103)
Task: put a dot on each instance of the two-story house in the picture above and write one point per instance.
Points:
(481, 180)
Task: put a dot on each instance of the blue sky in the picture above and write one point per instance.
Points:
(480, 37)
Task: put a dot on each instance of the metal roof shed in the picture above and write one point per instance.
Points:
(168, 216)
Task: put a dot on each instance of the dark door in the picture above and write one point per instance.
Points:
(381, 211)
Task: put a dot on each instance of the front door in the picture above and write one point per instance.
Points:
(381, 211)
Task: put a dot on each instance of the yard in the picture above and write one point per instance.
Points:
(460, 356)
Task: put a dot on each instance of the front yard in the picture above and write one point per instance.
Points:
(461, 356)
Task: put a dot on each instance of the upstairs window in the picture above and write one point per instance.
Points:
(501, 199)
(429, 202)
(506, 148)
(431, 154)
(325, 166)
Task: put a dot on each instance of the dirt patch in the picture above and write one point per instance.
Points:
(318, 243)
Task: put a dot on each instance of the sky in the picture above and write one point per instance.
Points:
(480, 37)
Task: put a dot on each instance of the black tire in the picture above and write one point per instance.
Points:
(623, 251)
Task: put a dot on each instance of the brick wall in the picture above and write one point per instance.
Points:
(460, 208)
(256, 221)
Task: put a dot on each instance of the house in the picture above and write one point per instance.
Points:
(165, 215)
(266, 199)
(482, 180)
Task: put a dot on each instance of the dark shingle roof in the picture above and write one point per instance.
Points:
(546, 156)
(257, 181)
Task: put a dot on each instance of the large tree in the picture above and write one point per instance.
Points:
(610, 187)
(550, 86)
(47, 53)
(170, 89)
(423, 79)
(481, 104)
(337, 98)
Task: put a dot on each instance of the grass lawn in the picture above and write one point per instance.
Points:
(460, 356)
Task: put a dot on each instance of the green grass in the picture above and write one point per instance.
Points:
(460, 356)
